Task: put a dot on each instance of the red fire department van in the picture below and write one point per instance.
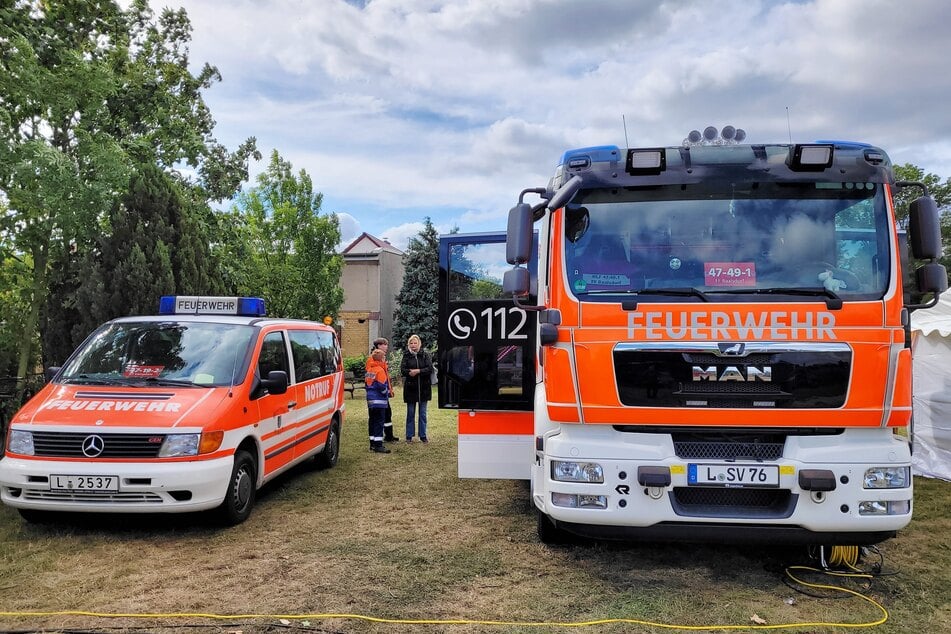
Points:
(192, 409)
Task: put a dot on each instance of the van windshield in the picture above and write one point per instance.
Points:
(729, 240)
(162, 353)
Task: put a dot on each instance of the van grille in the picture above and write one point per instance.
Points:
(92, 496)
(70, 445)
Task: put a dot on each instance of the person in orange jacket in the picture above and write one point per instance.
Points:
(382, 343)
(378, 398)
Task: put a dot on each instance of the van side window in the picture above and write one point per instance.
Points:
(273, 355)
(312, 358)
(331, 352)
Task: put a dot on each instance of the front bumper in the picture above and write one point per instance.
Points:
(172, 487)
(681, 510)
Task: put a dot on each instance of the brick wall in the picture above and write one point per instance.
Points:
(354, 335)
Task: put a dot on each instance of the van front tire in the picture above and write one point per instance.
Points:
(242, 490)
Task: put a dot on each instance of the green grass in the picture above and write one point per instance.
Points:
(399, 536)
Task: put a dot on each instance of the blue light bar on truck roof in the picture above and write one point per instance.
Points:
(583, 157)
(204, 305)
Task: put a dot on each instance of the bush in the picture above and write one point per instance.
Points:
(357, 365)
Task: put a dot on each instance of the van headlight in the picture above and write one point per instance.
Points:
(887, 477)
(565, 471)
(179, 445)
(21, 442)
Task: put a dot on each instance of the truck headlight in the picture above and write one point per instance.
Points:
(574, 501)
(179, 445)
(564, 471)
(887, 477)
(885, 507)
(21, 442)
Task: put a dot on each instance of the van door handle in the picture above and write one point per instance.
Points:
(292, 405)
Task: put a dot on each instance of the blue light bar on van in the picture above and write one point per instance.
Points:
(203, 305)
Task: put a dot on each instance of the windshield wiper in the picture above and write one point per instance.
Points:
(833, 301)
(174, 382)
(685, 291)
(85, 379)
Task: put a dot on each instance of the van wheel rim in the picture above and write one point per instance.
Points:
(242, 489)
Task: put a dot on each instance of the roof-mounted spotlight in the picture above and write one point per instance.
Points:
(810, 157)
(729, 135)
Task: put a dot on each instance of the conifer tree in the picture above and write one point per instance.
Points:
(151, 246)
(416, 311)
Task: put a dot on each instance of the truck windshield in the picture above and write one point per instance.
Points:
(726, 241)
(162, 353)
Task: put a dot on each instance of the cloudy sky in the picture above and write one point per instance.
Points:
(403, 109)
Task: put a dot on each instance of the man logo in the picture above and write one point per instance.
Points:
(732, 373)
(732, 349)
(93, 446)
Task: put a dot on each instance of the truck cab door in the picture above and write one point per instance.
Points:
(486, 357)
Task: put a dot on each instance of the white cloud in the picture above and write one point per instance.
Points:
(409, 108)
(350, 229)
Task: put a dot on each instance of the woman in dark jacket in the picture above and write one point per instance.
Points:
(417, 372)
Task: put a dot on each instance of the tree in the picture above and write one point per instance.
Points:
(289, 247)
(416, 311)
(154, 247)
(941, 192)
(88, 92)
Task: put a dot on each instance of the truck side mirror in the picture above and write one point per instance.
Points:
(924, 231)
(516, 282)
(932, 278)
(566, 192)
(518, 243)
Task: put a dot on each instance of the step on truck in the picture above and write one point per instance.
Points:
(703, 342)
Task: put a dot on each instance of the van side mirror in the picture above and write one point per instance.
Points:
(50, 373)
(276, 382)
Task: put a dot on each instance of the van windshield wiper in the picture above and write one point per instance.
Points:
(174, 382)
(833, 301)
(85, 379)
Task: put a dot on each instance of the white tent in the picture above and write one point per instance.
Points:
(931, 329)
